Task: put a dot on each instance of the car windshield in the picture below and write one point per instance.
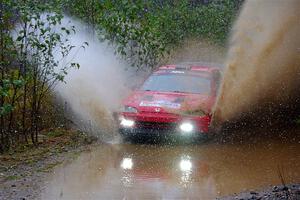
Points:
(186, 83)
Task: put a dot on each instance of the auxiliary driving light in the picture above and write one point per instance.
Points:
(186, 127)
(185, 165)
(127, 163)
(127, 122)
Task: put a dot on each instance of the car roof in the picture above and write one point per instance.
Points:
(191, 66)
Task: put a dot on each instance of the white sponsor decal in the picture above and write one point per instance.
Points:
(177, 72)
(160, 103)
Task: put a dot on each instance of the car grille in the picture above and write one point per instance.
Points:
(156, 126)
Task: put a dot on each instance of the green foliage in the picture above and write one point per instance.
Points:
(6, 53)
(45, 42)
(144, 31)
(5, 109)
(34, 46)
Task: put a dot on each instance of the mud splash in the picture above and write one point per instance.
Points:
(95, 91)
(194, 50)
(263, 63)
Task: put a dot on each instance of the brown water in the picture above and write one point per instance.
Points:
(207, 171)
(263, 62)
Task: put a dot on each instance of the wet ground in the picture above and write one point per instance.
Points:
(195, 171)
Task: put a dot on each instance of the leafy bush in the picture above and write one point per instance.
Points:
(31, 35)
(143, 32)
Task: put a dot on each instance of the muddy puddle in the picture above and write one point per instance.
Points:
(202, 171)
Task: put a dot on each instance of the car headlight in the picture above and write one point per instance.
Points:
(127, 122)
(186, 127)
(127, 163)
(130, 109)
(185, 165)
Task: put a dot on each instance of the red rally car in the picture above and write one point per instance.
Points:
(175, 99)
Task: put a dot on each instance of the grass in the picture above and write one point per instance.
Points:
(49, 167)
(282, 177)
(55, 133)
(13, 177)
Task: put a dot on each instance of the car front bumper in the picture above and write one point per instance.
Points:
(157, 130)
(162, 124)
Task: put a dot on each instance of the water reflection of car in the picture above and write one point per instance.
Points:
(174, 174)
(175, 99)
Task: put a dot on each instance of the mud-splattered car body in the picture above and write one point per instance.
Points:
(175, 99)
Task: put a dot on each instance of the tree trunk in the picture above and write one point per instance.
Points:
(2, 144)
(11, 129)
(34, 106)
(24, 74)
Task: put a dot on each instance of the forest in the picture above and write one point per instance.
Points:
(35, 45)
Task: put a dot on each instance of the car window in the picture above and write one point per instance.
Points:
(186, 83)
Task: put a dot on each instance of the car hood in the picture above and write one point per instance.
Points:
(169, 102)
